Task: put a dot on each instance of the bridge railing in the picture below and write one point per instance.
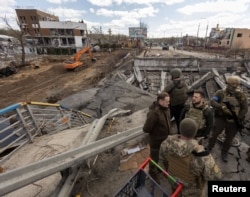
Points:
(22, 122)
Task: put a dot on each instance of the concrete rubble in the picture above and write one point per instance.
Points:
(132, 88)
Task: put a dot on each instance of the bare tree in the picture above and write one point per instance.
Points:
(17, 34)
(96, 30)
(143, 25)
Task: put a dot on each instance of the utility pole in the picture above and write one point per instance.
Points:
(198, 34)
(110, 32)
(205, 41)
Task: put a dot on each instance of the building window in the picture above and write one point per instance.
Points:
(69, 32)
(82, 32)
(53, 32)
(239, 35)
(61, 31)
(22, 20)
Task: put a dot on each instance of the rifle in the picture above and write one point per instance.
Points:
(239, 124)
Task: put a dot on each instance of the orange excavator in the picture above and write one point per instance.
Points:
(75, 63)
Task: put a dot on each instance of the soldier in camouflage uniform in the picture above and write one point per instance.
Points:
(177, 89)
(223, 116)
(157, 125)
(187, 161)
(200, 112)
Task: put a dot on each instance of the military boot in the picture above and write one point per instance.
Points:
(224, 156)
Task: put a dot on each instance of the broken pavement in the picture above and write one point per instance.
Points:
(114, 91)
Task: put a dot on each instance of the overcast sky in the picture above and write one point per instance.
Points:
(163, 17)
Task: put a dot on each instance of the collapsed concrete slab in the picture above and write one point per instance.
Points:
(218, 79)
(201, 81)
(120, 94)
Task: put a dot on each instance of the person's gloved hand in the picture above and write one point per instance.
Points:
(226, 112)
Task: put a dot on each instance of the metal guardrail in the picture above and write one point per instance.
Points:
(21, 122)
(15, 179)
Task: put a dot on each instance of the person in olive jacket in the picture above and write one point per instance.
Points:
(157, 125)
(178, 92)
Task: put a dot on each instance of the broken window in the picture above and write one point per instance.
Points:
(53, 32)
(61, 31)
(82, 32)
(239, 35)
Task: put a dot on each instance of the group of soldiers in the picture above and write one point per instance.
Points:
(183, 154)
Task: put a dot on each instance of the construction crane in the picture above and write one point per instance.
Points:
(75, 63)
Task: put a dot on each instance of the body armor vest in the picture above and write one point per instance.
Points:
(178, 96)
(180, 167)
(197, 115)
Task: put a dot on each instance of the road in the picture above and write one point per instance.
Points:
(177, 53)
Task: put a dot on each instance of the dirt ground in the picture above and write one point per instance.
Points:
(52, 82)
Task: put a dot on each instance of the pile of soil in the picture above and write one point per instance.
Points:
(52, 80)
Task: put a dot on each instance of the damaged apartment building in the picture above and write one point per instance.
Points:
(45, 34)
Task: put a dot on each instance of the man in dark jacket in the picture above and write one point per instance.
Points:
(224, 118)
(177, 90)
(200, 112)
(157, 125)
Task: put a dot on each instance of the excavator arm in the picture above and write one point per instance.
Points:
(75, 61)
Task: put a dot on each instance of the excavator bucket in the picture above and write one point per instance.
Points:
(71, 65)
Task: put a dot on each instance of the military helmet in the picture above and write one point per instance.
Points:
(233, 81)
(188, 128)
(175, 73)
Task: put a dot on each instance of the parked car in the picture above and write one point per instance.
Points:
(165, 47)
(6, 71)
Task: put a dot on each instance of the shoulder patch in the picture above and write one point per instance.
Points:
(216, 98)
